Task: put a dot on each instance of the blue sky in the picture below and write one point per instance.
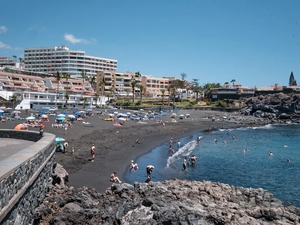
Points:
(255, 42)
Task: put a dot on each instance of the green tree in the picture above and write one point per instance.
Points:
(15, 57)
(163, 95)
(67, 97)
(292, 81)
(133, 84)
(233, 81)
(207, 88)
(58, 78)
(66, 76)
(196, 88)
(142, 92)
(102, 84)
(92, 81)
(169, 93)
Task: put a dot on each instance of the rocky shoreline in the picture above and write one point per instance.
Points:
(168, 202)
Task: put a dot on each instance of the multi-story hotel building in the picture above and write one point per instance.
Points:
(154, 86)
(119, 82)
(61, 59)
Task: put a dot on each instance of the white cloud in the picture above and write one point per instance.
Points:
(71, 38)
(2, 45)
(3, 29)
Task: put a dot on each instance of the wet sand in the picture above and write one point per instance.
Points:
(115, 146)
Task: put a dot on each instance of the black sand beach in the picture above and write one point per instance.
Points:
(116, 146)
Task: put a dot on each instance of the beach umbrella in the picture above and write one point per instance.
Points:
(30, 118)
(71, 116)
(75, 108)
(1, 111)
(122, 119)
(89, 110)
(41, 112)
(20, 127)
(3, 107)
(44, 116)
(15, 111)
(80, 112)
(128, 113)
(59, 139)
(61, 115)
(8, 108)
(64, 112)
(60, 118)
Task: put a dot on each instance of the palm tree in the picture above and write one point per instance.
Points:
(92, 81)
(58, 77)
(163, 95)
(196, 88)
(67, 97)
(233, 81)
(133, 84)
(83, 76)
(102, 83)
(15, 57)
(169, 93)
(67, 76)
(142, 91)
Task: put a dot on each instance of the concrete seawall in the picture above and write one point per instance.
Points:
(25, 176)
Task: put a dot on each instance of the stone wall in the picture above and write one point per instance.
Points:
(25, 177)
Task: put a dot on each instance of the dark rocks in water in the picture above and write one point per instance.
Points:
(273, 106)
(167, 202)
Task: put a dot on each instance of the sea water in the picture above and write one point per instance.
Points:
(228, 162)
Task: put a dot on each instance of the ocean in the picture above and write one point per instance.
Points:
(227, 161)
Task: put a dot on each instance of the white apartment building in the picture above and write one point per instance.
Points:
(61, 59)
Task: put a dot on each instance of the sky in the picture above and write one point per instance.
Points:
(254, 42)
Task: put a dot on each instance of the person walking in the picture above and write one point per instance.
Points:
(93, 149)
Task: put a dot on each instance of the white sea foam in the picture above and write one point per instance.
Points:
(183, 151)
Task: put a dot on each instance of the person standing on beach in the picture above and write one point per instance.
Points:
(171, 142)
(184, 164)
(93, 149)
(178, 145)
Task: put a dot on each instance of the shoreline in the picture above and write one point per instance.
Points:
(115, 146)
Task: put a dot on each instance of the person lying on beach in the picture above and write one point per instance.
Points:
(138, 141)
(114, 178)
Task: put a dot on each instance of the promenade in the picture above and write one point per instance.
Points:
(9, 146)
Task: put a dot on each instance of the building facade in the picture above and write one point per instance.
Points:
(156, 86)
(61, 59)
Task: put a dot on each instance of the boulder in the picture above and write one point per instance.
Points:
(168, 202)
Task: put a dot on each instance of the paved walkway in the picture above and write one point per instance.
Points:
(9, 146)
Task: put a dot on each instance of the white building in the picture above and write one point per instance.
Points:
(61, 59)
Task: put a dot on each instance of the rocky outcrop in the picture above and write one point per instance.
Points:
(168, 202)
(276, 108)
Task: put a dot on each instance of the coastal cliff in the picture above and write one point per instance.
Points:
(168, 202)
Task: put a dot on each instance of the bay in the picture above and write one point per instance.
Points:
(227, 161)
